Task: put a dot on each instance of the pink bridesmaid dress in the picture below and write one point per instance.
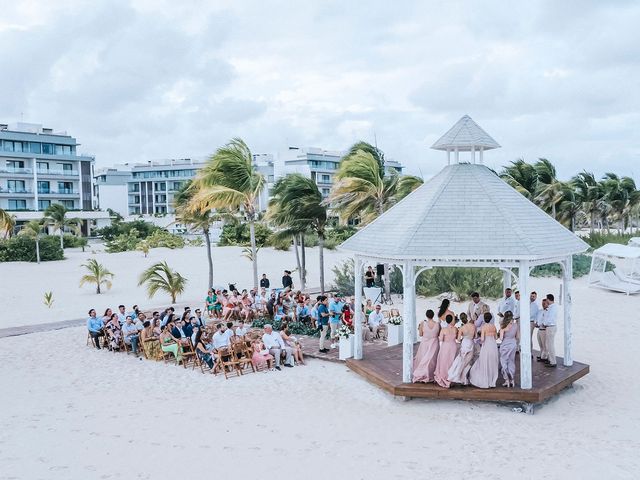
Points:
(484, 373)
(446, 357)
(424, 364)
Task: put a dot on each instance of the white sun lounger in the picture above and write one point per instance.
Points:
(610, 281)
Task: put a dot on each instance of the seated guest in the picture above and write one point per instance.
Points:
(292, 342)
(274, 343)
(178, 332)
(167, 317)
(261, 355)
(130, 333)
(94, 325)
(201, 349)
(169, 343)
(347, 315)
(107, 316)
(241, 329)
(375, 320)
(150, 343)
(139, 321)
(220, 339)
(114, 331)
(198, 320)
(230, 331)
(122, 315)
(155, 324)
(302, 312)
(187, 326)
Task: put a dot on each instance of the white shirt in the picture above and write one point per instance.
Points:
(507, 304)
(542, 313)
(241, 331)
(516, 309)
(258, 301)
(473, 312)
(375, 318)
(549, 320)
(220, 339)
(122, 318)
(273, 340)
(533, 311)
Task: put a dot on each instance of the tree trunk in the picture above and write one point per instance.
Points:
(254, 253)
(573, 223)
(37, 249)
(321, 255)
(593, 222)
(553, 210)
(98, 287)
(303, 258)
(173, 298)
(207, 241)
(300, 273)
(62, 239)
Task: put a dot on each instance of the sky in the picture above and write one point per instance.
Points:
(141, 80)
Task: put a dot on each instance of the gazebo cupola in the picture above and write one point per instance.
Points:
(465, 136)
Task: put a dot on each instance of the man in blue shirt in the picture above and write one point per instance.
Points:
(323, 321)
(335, 309)
(130, 332)
(94, 325)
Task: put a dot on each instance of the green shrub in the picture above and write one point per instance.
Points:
(195, 242)
(340, 233)
(598, 239)
(22, 248)
(581, 267)
(310, 240)
(142, 229)
(162, 238)
(295, 328)
(236, 233)
(331, 243)
(343, 278)
(280, 243)
(72, 241)
(122, 243)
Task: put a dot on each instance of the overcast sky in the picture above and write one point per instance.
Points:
(150, 79)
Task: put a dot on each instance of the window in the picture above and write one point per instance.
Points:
(7, 146)
(69, 204)
(161, 199)
(134, 210)
(16, 186)
(176, 185)
(44, 204)
(35, 147)
(160, 209)
(160, 187)
(15, 165)
(15, 204)
(65, 167)
(44, 187)
(134, 199)
(325, 192)
(65, 187)
(47, 148)
(134, 187)
(326, 178)
(43, 167)
(17, 146)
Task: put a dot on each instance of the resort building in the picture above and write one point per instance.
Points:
(321, 165)
(39, 167)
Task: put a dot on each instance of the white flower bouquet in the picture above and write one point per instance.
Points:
(396, 320)
(344, 331)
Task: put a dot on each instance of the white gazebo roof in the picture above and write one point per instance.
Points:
(463, 214)
(464, 136)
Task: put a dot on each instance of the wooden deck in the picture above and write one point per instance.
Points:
(383, 367)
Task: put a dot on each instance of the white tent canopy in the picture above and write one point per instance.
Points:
(616, 267)
(465, 216)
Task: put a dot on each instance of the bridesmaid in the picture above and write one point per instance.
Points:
(443, 311)
(459, 371)
(447, 353)
(509, 336)
(424, 364)
(484, 372)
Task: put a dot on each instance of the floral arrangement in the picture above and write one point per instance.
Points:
(395, 320)
(344, 331)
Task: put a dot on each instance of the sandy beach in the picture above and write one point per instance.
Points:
(94, 414)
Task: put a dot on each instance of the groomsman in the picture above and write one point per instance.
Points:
(507, 304)
(475, 308)
(542, 331)
(550, 320)
(533, 313)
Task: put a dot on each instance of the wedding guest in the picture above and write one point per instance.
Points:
(115, 332)
(484, 372)
(241, 329)
(220, 339)
(459, 371)
(443, 311)
(292, 342)
(323, 321)
(169, 343)
(150, 343)
(543, 357)
(130, 332)
(533, 314)
(375, 320)
(94, 325)
(261, 355)
(107, 316)
(475, 307)
(509, 336)
(201, 349)
(424, 366)
(369, 277)
(447, 353)
(264, 282)
(274, 343)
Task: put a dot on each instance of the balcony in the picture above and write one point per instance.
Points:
(16, 171)
(15, 191)
(59, 192)
(68, 173)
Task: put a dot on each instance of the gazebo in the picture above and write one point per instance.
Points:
(465, 216)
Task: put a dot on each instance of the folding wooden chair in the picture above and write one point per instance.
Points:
(227, 363)
(242, 360)
(189, 356)
(169, 356)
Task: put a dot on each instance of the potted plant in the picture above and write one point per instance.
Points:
(346, 342)
(394, 330)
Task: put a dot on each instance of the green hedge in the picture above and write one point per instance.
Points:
(295, 328)
(22, 248)
(71, 241)
(581, 267)
(140, 228)
(598, 239)
(236, 233)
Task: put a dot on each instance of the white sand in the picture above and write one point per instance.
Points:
(23, 284)
(70, 412)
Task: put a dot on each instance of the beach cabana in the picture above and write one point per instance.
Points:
(616, 267)
(465, 216)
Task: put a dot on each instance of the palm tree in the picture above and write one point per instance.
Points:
(363, 191)
(549, 189)
(229, 180)
(34, 229)
(97, 275)
(522, 176)
(570, 210)
(590, 191)
(621, 194)
(196, 218)
(7, 223)
(56, 216)
(298, 204)
(159, 276)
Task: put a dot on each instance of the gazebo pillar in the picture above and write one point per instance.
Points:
(525, 330)
(409, 320)
(357, 344)
(448, 157)
(567, 277)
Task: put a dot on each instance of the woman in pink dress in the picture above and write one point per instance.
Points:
(424, 364)
(261, 355)
(447, 354)
(459, 371)
(509, 337)
(484, 372)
